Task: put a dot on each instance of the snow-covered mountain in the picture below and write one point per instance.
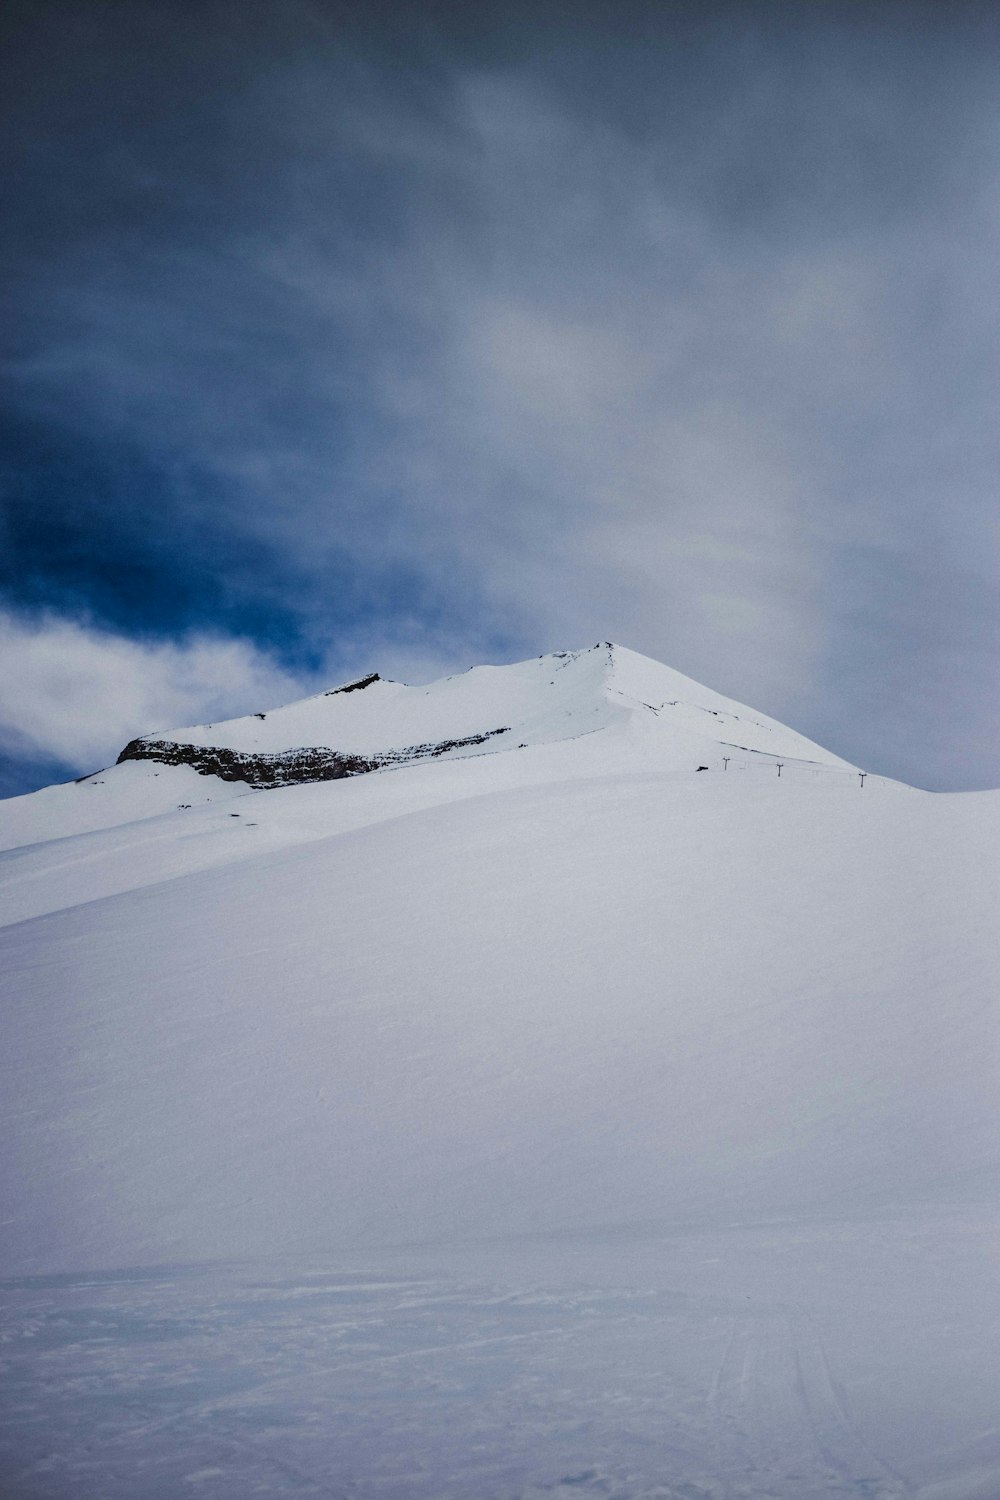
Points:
(638, 706)
(599, 712)
(371, 723)
(573, 945)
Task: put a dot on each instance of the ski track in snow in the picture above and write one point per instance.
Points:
(691, 1382)
(777, 1401)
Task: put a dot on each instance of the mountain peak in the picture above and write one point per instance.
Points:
(371, 724)
(599, 711)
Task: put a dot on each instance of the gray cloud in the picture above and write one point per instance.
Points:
(686, 337)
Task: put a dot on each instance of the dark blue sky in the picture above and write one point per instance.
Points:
(405, 337)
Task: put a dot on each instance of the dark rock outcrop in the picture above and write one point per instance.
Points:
(354, 687)
(287, 767)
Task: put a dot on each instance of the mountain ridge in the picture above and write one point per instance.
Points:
(631, 712)
(372, 710)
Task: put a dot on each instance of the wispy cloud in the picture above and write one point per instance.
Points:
(77, 694)
(513, 344)
(74, 693)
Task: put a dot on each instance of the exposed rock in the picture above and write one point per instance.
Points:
(354, 687)
(286, 767)
(427, 752)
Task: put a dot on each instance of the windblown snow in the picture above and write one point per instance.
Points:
(578, 975)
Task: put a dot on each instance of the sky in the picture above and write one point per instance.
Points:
(341, 338)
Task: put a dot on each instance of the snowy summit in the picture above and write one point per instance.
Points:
(624, 710)
(370, 723)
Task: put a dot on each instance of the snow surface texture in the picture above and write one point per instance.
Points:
(684, 1080)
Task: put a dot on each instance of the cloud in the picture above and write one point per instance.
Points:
(544, 336)
(77, 694)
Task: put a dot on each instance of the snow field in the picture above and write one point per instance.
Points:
(571, 1005)
(793, 1361)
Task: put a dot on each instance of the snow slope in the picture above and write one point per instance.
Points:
(580, 986)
